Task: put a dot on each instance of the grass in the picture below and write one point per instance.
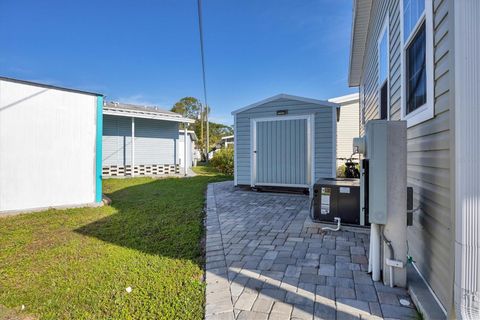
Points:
(77, 263)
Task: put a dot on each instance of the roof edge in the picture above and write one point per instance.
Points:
(289, 97)
(144, 114)
(360, 21)
(49, 86)
(191, 133)
(346, 98)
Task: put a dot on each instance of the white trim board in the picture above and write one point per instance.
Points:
(467, 151)
(322, 103)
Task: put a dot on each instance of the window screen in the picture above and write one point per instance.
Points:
(416, 71)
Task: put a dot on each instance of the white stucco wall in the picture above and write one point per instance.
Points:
(47, 147)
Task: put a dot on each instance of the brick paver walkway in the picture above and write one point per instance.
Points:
(265, 259)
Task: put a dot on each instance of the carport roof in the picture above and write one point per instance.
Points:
(147, 112)
(284, 96)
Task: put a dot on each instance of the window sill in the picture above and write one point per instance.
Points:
(420, 115)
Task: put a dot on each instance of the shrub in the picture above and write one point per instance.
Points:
(222, 160)
(341, 171)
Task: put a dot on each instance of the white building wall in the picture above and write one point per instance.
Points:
(47, 147)
(348, 127)
(181, 148)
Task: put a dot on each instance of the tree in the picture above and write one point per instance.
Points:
(189, 107)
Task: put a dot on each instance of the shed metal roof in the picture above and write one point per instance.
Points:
(147, 112)
(191, 133)
(354, 97)
(49, 86)
(284, 96)
(358, 41)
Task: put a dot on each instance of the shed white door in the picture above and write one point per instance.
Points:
(281, 152)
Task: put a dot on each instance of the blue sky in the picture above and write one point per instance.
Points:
(147, 52)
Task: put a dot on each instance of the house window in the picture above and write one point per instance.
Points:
(383, 71)
(416, 72)
(413, 10)
(417, 105)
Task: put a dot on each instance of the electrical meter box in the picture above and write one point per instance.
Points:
(385, 147)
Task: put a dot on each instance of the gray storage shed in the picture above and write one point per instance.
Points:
(285, 141)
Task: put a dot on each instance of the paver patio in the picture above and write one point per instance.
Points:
(265, 259)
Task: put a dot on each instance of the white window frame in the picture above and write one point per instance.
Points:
(426, 111)
(384, 31)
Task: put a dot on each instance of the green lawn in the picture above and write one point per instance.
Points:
(77, 263)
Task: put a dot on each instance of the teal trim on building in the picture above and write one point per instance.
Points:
(98, 154)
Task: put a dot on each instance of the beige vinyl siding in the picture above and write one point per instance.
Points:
(428, 159)
(347, 129)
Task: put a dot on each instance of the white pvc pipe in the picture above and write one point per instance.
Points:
(185, 149)
(375, 254)
(370, 255)
(133, 145)
(390, 268)
(338, 220)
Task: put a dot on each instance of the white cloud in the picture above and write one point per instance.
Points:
(141, 99)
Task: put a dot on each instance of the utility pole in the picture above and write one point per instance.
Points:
(201, 122)
(200, 29)
(208, 131)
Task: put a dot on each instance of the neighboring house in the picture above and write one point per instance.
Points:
(50, 146)
(285, 141)
(419, 60)
(227, 141)
(348, 125)
(192, 154)
(154, 149)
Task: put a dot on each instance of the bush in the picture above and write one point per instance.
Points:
(341, 171)
(222, 160)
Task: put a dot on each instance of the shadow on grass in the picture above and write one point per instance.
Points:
(156, 216)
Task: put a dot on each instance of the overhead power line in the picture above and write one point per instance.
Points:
(202, 53)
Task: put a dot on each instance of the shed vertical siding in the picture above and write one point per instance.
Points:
(155, 141)
(428, 158)
(324, 148)
(47, 147)
(275, 157)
